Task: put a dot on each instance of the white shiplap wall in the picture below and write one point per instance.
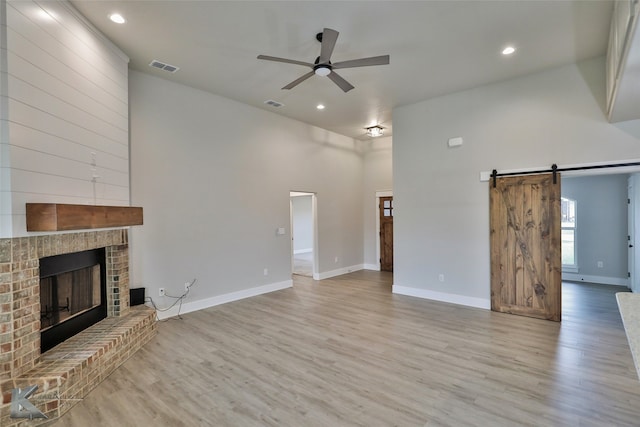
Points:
(67, 113)
(5, 176)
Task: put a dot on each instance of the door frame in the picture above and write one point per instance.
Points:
(314, 225)
(631, 230)
(379, 194)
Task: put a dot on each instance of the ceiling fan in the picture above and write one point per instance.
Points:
(323, 66)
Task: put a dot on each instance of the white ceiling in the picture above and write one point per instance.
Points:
(436, 47)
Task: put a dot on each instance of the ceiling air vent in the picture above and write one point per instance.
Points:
(162, 66)
(273, 103)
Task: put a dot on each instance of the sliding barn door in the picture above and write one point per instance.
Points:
(526, 262)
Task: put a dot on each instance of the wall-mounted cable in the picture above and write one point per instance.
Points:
(178, 301)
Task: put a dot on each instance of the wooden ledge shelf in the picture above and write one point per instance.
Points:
(64, 217)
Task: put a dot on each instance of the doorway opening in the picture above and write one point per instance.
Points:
(606, 218)
(304, 253)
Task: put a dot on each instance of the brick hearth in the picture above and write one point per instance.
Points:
(71, 369)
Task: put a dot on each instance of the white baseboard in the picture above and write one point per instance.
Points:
(443, 297)
(302, 251)
(338, 272)
(601, 280)
(374, 267)
(188, 307)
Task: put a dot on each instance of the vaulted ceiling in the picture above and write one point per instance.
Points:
(436, 47)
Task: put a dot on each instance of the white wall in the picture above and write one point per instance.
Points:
(302, 214)
(214, 176)
(378, 176)
(64, 98)
(601, 233)
(442, 208)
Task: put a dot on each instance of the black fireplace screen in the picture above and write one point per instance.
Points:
(72, 295)
(68, 294)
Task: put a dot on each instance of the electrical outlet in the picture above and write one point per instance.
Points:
(441, 277)
(266, 272)
(161, 292)
(600, 264)
(336, 260)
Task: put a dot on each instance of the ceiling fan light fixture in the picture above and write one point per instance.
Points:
(323, 66)
(322, 70)
(374, 131)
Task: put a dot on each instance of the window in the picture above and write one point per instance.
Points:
(568, 219)
(388, 208)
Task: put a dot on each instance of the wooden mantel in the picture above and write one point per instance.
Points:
(64, 217)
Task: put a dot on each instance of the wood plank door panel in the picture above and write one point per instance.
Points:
(526, 262)
(386, 233)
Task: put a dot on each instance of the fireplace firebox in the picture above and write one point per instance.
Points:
(73, 295)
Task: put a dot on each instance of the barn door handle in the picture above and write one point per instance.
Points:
(630, 246)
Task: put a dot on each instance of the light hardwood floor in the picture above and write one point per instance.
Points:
(347, 352)
(303, 264)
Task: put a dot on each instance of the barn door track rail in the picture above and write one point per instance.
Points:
(555, 169)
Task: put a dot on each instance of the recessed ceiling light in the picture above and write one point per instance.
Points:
(320, 107)
(508, 50)
(117, 18)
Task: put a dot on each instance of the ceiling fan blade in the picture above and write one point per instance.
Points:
(299, 80)
(344, 85)
(329, 39)
(364, 62)
(288, 61)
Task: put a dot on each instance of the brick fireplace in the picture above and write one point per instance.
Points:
(70, 370)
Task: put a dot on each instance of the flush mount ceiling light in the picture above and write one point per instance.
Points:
(117, 18)
(320, 107)
(374, 131)
(508, 50)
